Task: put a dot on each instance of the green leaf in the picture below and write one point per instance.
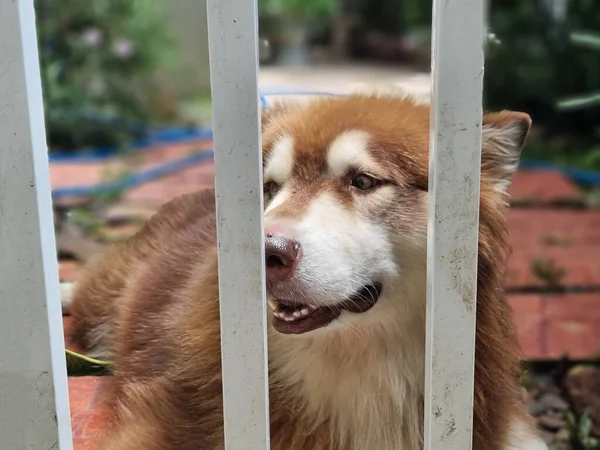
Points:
(585, 425)
(583, 101)
(586, 40)
(84, 80)
(81, 365)
(298, 8)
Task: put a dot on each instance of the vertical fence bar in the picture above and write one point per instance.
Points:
(233, 45)
(454, 176)
(487, 10)
(34, 404)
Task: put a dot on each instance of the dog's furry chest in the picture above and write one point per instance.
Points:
(339, 404)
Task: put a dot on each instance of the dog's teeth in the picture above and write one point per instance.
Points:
(290, 316)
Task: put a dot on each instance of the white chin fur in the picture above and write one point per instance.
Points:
(336, 264)
(523, 437)
(66, 295)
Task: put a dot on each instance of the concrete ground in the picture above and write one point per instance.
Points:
(339, 77)
(336, 78)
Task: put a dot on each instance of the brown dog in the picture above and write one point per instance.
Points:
(346, 222)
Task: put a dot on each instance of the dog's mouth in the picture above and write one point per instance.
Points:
(293, 317)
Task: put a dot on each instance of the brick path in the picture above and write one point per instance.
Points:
(549, 325)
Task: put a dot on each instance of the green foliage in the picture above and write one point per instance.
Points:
(304, 9)
(393, 17)
(534, 61)
(586, 40)
(99, 62)
(591, 41)
(581, 430)
(82, 365)
(417, 13)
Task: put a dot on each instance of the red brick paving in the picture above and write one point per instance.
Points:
(572, 325)
(571, 238)
(528, 318)
(551, 326)
(554, 325)
(64, 174)
(89, 414)
(542, 186)
(548, 325)
(188, 180)
(86, 395)
(67, 270)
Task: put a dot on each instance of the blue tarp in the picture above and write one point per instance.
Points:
(165, 136)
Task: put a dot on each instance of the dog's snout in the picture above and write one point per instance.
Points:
(281, 254)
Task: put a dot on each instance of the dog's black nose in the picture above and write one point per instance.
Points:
(282, 255)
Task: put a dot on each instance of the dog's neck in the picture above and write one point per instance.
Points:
(364, 379)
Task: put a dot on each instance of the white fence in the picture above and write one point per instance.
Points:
(34, 411)
(34, 404)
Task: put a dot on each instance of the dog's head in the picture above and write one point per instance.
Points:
(345, 187)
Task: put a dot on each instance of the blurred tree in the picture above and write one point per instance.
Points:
(383, 26)
(395, 16)
(99, 62)
(290, 25)
(592, 99)
(533, 62)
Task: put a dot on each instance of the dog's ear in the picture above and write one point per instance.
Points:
(503, 138)
(273, 105)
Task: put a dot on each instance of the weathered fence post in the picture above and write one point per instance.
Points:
(233, 43)
(34, 404)
(454, 176)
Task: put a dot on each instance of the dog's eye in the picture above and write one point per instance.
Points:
(270, 189)
(364, 182)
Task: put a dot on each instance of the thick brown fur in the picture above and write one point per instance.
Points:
(151, 304)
